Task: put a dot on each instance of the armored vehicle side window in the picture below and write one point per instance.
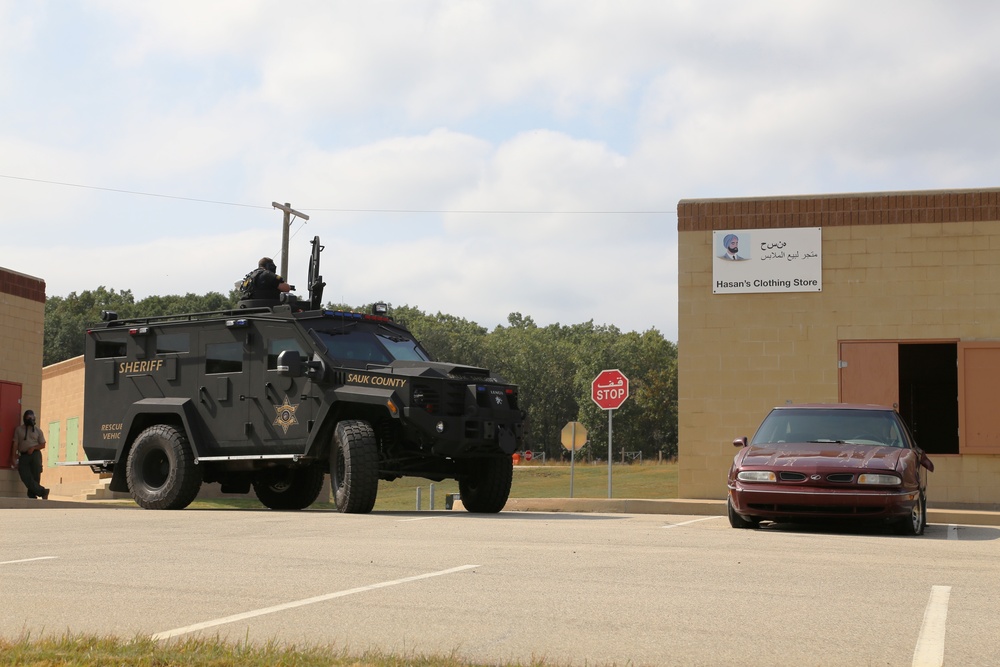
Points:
(109, 348)
(223, 358)
(171, 343)
(277, 346)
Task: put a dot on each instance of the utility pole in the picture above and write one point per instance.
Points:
(289, 212)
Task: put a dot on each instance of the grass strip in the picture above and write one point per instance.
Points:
(92, 651)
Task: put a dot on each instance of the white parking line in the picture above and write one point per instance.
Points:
(301, 603)
(686, 523)
(930, 643)
(428, 518)
(952, 532)
(28, 560)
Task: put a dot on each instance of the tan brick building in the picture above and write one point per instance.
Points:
(62, 405)
(907, 312)
(22, 312)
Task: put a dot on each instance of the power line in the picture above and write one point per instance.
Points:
(130, 192)
(337, 210)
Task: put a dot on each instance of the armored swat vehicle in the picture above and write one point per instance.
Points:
(275, 394)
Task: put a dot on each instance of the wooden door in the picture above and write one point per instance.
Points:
(869, 372)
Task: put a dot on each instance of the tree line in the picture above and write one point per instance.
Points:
(552, 365)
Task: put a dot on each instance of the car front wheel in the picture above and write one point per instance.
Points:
(915, 523)
(736, 521)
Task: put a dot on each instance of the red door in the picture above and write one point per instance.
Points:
(10, 417)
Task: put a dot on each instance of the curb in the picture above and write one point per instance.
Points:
(582, 505)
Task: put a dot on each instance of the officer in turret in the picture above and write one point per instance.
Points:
(264, 282)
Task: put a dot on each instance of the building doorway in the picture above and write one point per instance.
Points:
(10, 418)
(920, 379)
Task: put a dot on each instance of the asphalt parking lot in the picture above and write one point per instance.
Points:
(581, 588)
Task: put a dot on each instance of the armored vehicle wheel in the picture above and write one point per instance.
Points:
(289, 488)
(354, 467)
(486, 484)
(160, 471)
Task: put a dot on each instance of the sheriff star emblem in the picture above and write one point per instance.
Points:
(286, 415)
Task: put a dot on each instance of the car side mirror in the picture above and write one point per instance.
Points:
(290, 364)
(926, 462)
(740, 442)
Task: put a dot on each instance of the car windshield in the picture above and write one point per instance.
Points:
(359, 349)
(862, 427)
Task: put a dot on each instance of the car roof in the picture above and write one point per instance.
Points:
(835, 406)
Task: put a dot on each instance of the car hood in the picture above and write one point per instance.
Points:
(823, 455)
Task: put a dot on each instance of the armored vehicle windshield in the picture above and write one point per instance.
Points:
(356, 345)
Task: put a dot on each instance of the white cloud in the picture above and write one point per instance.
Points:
(424, 105)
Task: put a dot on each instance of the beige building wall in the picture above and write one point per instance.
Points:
(910, 266)
(22, 328)
(62, 407)
(22, 311)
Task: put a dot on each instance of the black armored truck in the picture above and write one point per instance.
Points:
(275, 394)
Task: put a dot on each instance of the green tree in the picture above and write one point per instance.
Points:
(67, 319)
(541, 362)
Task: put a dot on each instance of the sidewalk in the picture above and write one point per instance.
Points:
(594, 505)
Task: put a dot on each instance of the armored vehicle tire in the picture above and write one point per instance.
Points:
(485, 485)
(160, 471)
(289, 488)
(354, 467)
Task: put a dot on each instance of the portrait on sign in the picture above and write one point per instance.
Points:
(734, 247)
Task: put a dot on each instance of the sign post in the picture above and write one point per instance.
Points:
(574, 436)
(609, 390)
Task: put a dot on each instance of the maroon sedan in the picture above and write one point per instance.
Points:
(834, 461)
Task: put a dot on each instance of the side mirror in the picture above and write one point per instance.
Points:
(740, 442)
(293, 365)
(290, 364)
(926, 462)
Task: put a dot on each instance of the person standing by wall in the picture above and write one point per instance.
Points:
(27, 453)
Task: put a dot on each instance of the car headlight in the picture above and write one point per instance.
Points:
(881, 480)
(756, 476)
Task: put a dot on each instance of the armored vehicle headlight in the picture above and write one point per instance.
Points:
(439, 427)
(237, 324)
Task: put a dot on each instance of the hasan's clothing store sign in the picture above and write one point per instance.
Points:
(767, 260)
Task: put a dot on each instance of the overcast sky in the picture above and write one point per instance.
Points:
(469, 157)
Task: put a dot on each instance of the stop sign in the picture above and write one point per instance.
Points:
(609, 389)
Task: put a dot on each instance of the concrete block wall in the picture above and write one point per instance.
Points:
(62, 401)
(22, 328)
(22, 312)
(915, 266)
